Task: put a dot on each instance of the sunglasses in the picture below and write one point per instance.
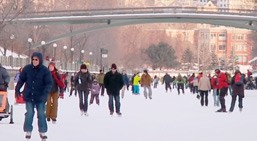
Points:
(34, 59)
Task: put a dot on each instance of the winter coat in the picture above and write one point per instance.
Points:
(113, 82)
(214, 82)
(180, 80)
(83, 81)
(100, 78)
(167, 79)
(222, 80)
(4, 78)
(237, 90)
(58, 83)
(146, 80)
(125, 79)
(136, 80)
(95, 88)
(204, 84)
(38, 81)
(195, 82)
(191, 78)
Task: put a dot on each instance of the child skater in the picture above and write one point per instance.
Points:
(95, 90)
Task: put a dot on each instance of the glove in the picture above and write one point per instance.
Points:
(17, 94)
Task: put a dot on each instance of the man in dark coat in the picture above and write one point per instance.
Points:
(113, 83)
(167, 80)
(38, 82)
(237, 90)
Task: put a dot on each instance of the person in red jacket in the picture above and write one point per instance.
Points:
(222, 88)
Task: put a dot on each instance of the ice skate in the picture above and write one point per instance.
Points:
(119, 114)
(28, 135)
(43, 136)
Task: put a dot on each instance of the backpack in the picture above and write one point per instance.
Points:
(179, 78)
(239, 79)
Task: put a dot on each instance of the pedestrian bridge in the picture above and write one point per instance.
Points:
(110, 18)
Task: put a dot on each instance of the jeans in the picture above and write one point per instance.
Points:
(149, 92)
(42, 125)
(167, 86)
(195, 89)
(116, 98)
(180, 86)
(83, 100)
(222, 93)
(204, 97)
(216, 98)
(233, 102)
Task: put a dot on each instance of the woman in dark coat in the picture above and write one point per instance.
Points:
(83, 84)
(237, 90)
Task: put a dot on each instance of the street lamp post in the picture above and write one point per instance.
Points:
(54, 52)
(65, 48)
(12, 37)
(43, 45)
(81, 53)
(103, 54)
(90, 57)
(72, 51)
(30, 41)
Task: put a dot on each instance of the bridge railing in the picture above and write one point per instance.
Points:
(90, 12)
(12, 63)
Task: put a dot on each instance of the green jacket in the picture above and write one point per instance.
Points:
(100, 78)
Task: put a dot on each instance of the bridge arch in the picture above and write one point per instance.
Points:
(119, 18)
(142, 21)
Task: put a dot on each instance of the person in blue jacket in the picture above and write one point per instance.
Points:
(38, 83)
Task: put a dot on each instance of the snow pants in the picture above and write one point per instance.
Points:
(52, 105)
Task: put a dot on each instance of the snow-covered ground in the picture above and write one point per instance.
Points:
(167, 117)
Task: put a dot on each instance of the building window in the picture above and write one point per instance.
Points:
(222, 47)
(222, 36)
(213, 36)
(238, 37)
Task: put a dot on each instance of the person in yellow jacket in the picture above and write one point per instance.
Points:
(136, 83)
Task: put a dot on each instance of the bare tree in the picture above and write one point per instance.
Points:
(9, 10)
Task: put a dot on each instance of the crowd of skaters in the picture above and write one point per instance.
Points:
(201, 84)
(220, 84)
(43, 88)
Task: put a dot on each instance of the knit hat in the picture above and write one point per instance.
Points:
(83, 66)
(113, 66)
